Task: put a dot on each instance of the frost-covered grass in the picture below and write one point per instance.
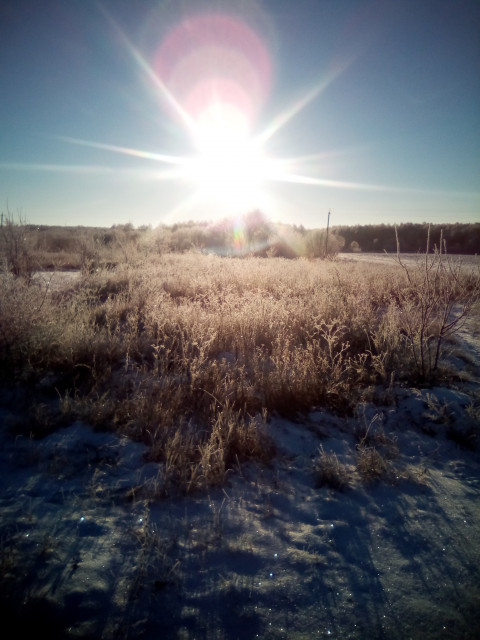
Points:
(164, 474)
(193, 353)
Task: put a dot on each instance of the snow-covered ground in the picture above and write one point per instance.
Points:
(471, 262)
(86, 552)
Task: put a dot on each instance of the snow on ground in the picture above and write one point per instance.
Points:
(470, 262)
(86, 552)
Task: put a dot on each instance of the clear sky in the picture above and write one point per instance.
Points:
(159, 111)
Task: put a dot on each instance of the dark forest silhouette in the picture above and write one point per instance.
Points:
(459, 238)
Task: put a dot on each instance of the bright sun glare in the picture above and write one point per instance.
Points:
(229, 165)
(213, 74)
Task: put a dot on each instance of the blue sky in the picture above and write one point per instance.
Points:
(370, 109)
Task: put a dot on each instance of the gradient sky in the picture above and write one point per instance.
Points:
(370, 109)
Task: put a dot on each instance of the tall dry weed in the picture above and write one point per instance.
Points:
(434, 300)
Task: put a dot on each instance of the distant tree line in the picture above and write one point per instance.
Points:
(253, 234)
(458, 238)
(25, 247)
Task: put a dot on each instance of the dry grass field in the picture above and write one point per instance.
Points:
(188, 352)
(225, 373)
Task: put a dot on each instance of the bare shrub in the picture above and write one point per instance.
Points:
(320, 245)
(15, 247)
(371, 465)
(196, 459)
(433, 302)
(329, 471)
(26, 325)
(375, 449)
(372, 434)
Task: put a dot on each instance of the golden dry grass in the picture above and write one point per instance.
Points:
(186, 351)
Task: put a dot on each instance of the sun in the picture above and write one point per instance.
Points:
(212, 74)
(228, 164)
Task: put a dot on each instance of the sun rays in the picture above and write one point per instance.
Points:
(211, 75)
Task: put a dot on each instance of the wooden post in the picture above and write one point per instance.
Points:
(326, 239)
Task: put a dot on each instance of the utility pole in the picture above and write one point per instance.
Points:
(326, 239)
(1, 225)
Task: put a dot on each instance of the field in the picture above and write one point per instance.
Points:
(196, 446)
(467, 262)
